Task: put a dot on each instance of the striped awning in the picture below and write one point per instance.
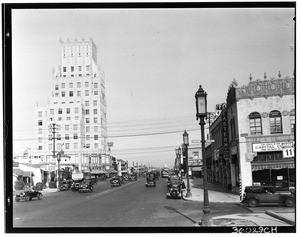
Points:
(273, 166)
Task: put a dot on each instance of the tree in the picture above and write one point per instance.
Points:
(66, 173)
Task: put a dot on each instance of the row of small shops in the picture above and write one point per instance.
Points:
(47, 173)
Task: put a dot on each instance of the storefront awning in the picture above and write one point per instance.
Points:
(274, 166)
(98, 171)
(19, 172)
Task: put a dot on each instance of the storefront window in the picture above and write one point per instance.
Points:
(275, 122)
(255, 124)
(292, 116)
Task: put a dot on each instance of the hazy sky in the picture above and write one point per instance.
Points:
(154, 61)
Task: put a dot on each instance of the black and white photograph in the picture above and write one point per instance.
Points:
(149, 117)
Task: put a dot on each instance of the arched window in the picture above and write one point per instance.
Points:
(255, 123)
(292, 116)
(275, 122)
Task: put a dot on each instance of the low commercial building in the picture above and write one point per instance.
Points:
(261, 124)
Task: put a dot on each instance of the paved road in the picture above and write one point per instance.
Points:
(131, 205)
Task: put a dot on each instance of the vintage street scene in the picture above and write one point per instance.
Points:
(152, 117)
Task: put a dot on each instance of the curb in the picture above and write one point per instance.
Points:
(273, 214)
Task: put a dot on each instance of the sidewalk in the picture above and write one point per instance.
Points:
(218, 194)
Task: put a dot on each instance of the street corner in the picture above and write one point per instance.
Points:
(286, 217)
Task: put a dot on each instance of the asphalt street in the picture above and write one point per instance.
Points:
(131, 205)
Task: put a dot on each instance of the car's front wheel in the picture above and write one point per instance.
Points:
(289, 202)
(40, 196)
(252, 202)
(27, 198)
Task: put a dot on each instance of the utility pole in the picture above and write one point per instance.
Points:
(53, 129)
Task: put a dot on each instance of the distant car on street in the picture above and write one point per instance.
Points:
(76, 185)
(151, 180)
(115, 181)
(255, 195)
(133, 177)
(86, 186)
(28, 195)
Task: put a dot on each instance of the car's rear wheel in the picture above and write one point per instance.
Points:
(289, 202)
(17, 199)
(27, 198)
(40, 196)
(252, 202)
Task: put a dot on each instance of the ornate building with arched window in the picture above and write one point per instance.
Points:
(261, 126)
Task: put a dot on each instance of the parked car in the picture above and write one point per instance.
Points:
(28, 195)
(65, 185)
(86, 186)
(133, 177)
(255, 195)
(172, 178)
(115, 181)
(175, 187)
(125, 177)
(76, 185)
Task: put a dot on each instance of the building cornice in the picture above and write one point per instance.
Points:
(266, 88)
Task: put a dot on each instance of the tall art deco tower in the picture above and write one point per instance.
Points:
(74, 120)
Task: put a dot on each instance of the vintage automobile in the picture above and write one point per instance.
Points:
(171, 178)
(86, 186)
(151, 180)
(255, 195)
(65, 185)
(28, 195)
(76, 184)
(126, 177)
(133, 177)
(115, 181)
(175, 187)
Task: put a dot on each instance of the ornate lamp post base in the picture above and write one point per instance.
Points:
(188, 193)
(206, 219)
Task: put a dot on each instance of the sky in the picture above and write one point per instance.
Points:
(154, 61)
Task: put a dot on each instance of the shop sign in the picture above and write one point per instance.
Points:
(225, 133)
(195, 162)
(274, 146)
(221, 106)
(288, 152)
(49, 168)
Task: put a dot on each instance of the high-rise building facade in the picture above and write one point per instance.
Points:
(74, 120)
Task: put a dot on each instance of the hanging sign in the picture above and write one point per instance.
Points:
(288, 152)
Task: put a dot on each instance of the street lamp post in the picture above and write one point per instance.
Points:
(178, 161)
(201, 108)
(186, 144)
